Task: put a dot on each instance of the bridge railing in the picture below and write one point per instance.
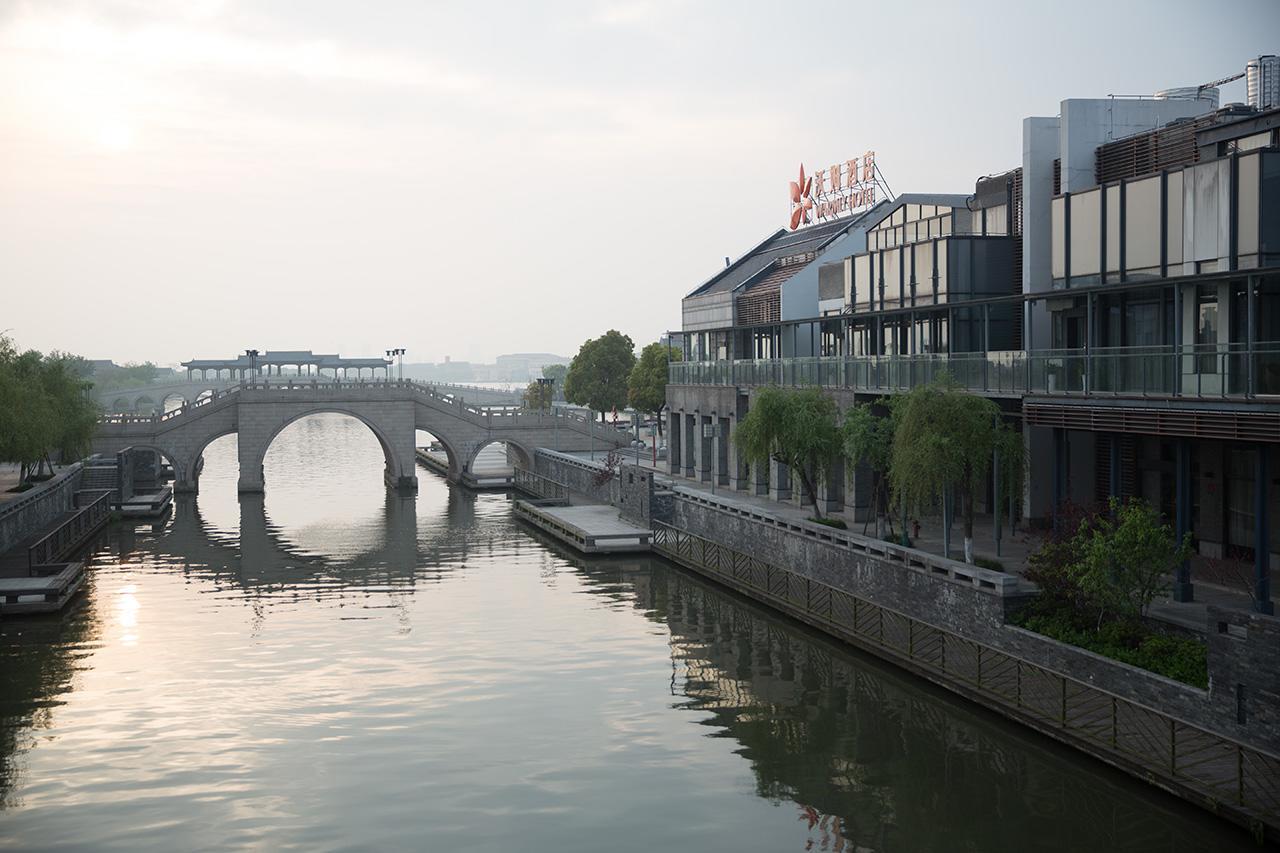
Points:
(489, 416)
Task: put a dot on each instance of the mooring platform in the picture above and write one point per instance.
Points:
(40, 594)
(592, 529)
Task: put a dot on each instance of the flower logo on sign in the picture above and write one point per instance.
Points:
(801, 200)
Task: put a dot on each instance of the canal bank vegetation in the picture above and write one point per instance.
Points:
(1098, 573)
(45, 410)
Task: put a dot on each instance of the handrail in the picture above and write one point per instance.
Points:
(1145, 740)
(71, 532)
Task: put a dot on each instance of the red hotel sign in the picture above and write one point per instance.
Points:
(835, 191)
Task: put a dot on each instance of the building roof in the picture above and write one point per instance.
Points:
(284, 357)
(781, 244)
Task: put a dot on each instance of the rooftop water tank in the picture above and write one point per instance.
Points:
(1190, 93)
(1263, 79)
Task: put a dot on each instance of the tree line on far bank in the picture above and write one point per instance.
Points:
(45, 410)
(606, 376)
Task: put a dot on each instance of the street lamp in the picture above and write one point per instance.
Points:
(549, 384)
(398, 351)
(253, 362)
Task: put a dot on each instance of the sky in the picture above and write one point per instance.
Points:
(190, 179)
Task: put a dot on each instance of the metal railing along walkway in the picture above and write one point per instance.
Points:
(1240, 780)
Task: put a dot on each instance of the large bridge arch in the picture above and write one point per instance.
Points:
(523, 452)
(259, 425)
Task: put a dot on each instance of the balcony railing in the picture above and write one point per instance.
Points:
(1222, 370)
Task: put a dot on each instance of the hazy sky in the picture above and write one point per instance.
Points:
(188, 179)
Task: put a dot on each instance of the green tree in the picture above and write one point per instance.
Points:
(868, 439)
(1124, 557)
(44, 409)
(647, 385)
(556, 373)
(796, 428)
(945, 438)
(538, 395)
(122, 376)
(598, 376)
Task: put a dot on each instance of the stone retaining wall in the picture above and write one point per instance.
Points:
(578, 474)
(33, 510)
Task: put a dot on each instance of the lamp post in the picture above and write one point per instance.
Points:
(253, 362)
(550, 385)
(398, 351)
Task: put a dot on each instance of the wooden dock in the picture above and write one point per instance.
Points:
(592, 529)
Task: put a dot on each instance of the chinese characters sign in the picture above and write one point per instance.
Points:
(835, 191)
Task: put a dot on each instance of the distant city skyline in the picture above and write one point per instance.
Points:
(189, 179)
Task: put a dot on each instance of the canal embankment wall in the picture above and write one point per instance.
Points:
(33, 511)
(1243, 698)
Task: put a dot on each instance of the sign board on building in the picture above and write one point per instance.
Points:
(835, 191)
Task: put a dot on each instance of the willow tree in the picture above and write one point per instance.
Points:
(868, 440)
(945, 438)
(796, 428)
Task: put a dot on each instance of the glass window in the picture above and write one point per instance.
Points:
(1058, 240)
(861, 280)
(935, 227)
(927, 210)
(940, 252)
(1142, 227)
(1173, 225)
(892, 277)
(946, 226)
(997, 220)
(1207, 327)
(1113, 233)
(1086, 235)
(923, 269)
(1251, 143)
(1247, 204)
(913, 212)
(899, 216)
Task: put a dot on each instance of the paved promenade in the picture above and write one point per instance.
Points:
(1014, 551)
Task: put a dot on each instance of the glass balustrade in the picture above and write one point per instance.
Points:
(1216, 370)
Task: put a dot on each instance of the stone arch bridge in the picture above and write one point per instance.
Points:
(145, 399)
(257, 412)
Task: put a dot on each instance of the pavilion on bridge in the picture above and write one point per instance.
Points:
(301, 363)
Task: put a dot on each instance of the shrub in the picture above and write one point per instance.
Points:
(1180, 658)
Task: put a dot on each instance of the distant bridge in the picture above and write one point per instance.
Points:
(145, 399)
(257, 411)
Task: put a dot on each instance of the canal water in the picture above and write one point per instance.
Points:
(331, 666)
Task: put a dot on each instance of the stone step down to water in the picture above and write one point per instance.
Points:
(592, 529)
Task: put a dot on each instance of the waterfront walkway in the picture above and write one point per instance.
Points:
(1016, 547)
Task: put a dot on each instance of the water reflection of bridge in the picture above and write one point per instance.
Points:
(264, 555)
(873, 755)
